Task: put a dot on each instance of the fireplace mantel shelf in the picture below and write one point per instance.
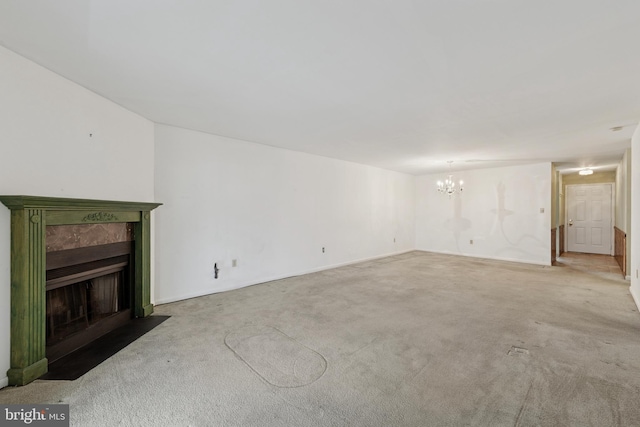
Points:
(29, 217)
(59, 203)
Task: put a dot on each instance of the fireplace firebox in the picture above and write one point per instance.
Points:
(88, 294)
(59, 298)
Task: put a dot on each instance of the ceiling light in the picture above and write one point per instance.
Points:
(586, 171)
(448, 186)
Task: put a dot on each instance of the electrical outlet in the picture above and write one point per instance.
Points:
(323, 249)
(394, 240)
(541, 210)
(234, 263)
(471, 242)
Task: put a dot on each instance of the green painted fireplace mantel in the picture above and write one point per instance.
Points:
(29, 217)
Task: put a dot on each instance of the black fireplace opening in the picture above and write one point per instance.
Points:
(88, 294)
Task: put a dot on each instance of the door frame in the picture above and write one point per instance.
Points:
(613, 212)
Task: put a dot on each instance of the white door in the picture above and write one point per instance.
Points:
(589, 227)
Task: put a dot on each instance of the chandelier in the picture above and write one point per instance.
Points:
(449, 186)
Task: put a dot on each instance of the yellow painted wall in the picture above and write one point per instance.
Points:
(574, 178)
(596, 178)
(554, 196)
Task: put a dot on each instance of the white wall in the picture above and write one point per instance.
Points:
(499, 210)
(46, 150)
(270, 209)
(635, 216)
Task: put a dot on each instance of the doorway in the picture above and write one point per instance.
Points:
(589, 218)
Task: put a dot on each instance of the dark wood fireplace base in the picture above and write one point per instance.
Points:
(29, 217)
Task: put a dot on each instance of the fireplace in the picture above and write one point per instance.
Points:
(64, 290)
(88, 293)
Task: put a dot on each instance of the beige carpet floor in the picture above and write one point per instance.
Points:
(418, 339)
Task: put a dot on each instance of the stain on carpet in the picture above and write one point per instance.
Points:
(276, 357)
(517, 351)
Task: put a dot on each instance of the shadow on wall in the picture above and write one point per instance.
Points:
(509, 231)
(501, 214)
(457, 224)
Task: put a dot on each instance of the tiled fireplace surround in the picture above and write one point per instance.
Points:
(30, 217)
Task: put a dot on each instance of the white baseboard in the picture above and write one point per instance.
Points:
(635, 296)
(272, 278)
(4, 382)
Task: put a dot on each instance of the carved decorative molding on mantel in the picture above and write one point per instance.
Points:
(29, 217)
(100, 217)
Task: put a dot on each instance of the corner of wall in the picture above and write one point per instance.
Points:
(635, 217)
(635, 294)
